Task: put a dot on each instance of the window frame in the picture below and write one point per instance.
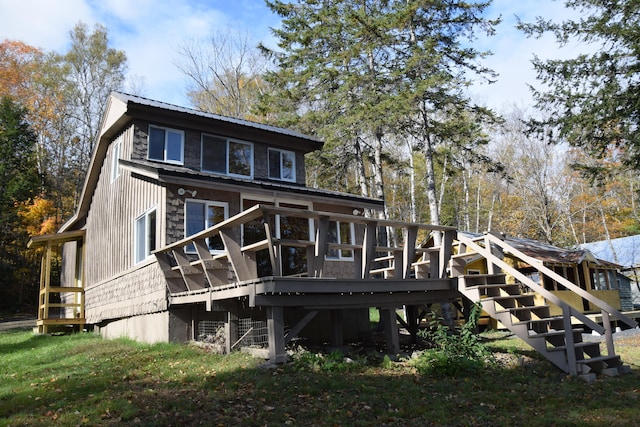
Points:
(115, 156)
(166, 143)
(339, 253)
(228, 142)
(281, 153)
(147, 235)
(190, 249)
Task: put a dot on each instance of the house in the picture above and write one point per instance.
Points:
(624, 251)
(160, 174)
(194, 226)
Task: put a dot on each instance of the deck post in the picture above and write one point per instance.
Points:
(275, 328)
(231, 326)
(368, 248)
(337, 336)
(391, 333)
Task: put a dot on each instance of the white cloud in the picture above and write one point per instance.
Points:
(43, 24)
(150, 30)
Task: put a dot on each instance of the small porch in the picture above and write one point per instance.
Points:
(252, 263)
(68, 301)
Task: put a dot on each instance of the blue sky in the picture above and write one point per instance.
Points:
(150, 30)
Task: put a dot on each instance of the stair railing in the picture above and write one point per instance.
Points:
(567, 310)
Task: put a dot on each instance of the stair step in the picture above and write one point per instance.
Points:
(598, 364)
(531, 308)
(513, 301)
(582, 345)
(495, 290)
(533, 324)
(552, 333)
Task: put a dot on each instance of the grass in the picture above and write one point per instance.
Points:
(84, 380)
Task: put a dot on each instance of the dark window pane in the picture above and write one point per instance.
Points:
(239, 158)
(214, 154)
(332, 237)
(152, 231)
(194, 220)
(156, 143)
(274, 164)
(174, 146)
(215, 216)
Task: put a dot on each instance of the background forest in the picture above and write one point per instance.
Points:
(384, 84)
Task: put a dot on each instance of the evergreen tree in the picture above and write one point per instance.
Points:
(19, 182)
(363, 72)
(592, 99)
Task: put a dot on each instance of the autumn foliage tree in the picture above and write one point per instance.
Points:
(19, 182)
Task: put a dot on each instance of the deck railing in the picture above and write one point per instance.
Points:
(373, 258)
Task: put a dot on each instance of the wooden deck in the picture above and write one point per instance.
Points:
(325, 293)
(378, 274)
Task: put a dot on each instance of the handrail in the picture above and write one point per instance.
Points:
(563, 281)
(242, 257)
(486, 252)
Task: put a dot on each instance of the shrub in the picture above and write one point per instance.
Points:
(456, 352)
(335, 361)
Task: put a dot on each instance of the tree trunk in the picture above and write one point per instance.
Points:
(432, 197)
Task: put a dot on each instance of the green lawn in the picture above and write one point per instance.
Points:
(85, 380)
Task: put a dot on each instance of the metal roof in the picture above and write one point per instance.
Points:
(124, 97)
(624, 250)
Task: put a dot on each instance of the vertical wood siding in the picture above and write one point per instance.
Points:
(110, 238)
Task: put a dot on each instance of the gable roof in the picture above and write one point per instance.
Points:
(121, 108)
(551, 254)
(624, 250)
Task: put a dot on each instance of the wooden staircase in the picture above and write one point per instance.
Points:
(557, 338)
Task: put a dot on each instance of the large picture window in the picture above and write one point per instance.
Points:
(226, 156)
(200, 215)
(145, 235)
(282, 165)
(166, 145)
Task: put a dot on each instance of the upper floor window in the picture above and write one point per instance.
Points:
(200, 215)
(343, 233)
(282, 165)
(227, 156)
(145, 235)
(115, 156)
(166, 145)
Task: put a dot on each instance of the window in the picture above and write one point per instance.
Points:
(293, 260)
(282, 165)
(115, 155)
(166, 145)
(225, 156)
(340, 233)
(200, 215)
(145, 235)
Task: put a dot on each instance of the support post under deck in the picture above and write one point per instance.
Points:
(337, 336)
(231, 326)
(391, 333)
(275, 328)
